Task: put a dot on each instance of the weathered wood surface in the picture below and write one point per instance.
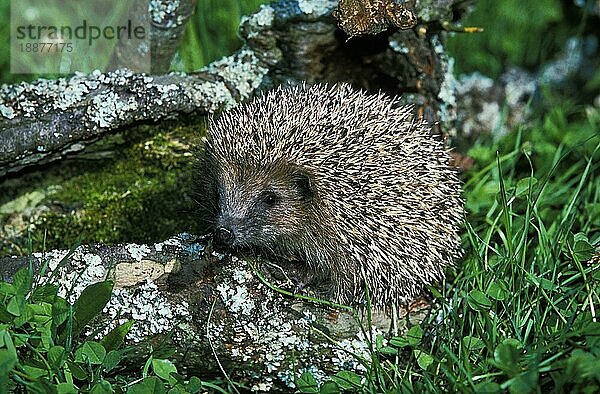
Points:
(217, 313)
(47, 120)
(167, 21)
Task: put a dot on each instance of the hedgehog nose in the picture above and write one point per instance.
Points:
(224, 237)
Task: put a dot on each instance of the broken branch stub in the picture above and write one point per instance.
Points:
(167, 21)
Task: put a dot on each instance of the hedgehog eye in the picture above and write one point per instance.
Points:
(269, 198)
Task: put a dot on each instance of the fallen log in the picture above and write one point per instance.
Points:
(220, 314)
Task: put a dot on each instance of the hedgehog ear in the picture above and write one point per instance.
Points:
(304, 184)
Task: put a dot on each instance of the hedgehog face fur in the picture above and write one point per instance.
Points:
(258, 206)
(344, 182)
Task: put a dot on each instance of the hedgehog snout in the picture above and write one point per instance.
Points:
(225, 232)
(230, 231)
(223, 238)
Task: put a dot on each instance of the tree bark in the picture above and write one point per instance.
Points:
(216, 312)
(167, 21)
(46, 120)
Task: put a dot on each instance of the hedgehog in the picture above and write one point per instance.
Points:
(346, 185)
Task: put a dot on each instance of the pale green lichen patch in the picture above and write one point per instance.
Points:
(137, 252)
(82, 270)
(243, 70)
(164, 91)
(164, 13)
(483, 113)
(429, 10)
(236, 299)
(108, 108)
(346, 351)
(152, 311)
(317, 7)
(111, 99)
(398, 46)
(260, 325)
(447, 96)
(159, 246)
(7, 112)
(447, 92)
(22, 203)
(258, 20)
(217, 90)
(46, 95)
(75, 270)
